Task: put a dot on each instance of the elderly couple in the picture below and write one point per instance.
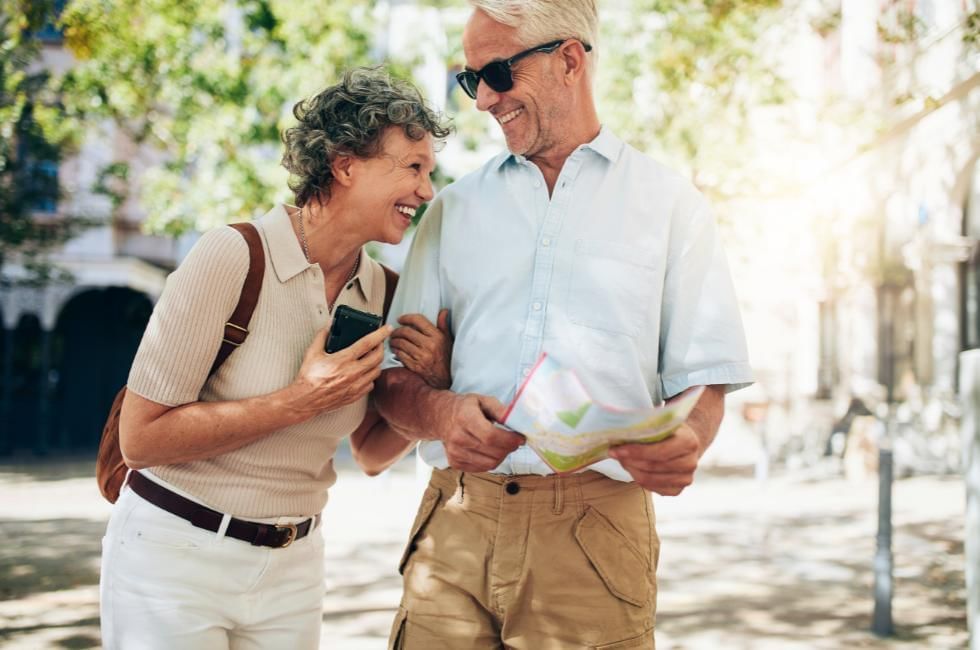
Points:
(571, 242)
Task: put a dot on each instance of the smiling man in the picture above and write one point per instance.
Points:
(575, 244)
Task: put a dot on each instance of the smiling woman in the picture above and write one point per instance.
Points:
(359, 160)
(231, 465)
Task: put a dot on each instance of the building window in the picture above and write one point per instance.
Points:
(51, 33)
(38, 163)
(43, 185)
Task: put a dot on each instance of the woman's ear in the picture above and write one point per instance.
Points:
(343, 170)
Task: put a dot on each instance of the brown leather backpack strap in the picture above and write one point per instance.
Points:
(236, 329)
(391, 281)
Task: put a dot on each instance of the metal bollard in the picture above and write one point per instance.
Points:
(881, 622)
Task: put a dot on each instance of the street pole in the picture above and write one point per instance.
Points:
(881, 621)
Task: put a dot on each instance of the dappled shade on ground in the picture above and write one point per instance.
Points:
(786, 564)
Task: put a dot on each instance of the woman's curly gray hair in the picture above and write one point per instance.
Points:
(350, 118)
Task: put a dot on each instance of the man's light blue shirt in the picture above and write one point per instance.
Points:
(619, 274)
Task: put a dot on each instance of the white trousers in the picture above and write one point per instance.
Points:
(167, 585)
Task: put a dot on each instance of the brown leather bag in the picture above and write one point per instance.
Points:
(110, 468)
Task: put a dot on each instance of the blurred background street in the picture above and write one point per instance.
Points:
(780, 564)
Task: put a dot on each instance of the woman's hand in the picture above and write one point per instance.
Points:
(326, 382)
(424, 348)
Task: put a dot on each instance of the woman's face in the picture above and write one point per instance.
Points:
(390, 187)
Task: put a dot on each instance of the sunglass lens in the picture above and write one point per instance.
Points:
(497, 75)
(468, 81)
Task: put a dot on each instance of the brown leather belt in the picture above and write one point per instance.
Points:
(273, 535)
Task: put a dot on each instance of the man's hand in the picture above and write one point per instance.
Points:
(424, 348)
(468, 430)
(665, 467)
(668, 467)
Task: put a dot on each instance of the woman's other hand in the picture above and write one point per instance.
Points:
(326, 382)
(424, 348)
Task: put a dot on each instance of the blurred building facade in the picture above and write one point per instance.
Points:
(899, 297)
(67, 346)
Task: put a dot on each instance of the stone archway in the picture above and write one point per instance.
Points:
(23, 410)
(93, 344)
(6, 377)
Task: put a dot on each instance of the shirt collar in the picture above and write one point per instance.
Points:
(364, 278)
(606, 144)
(286, 253)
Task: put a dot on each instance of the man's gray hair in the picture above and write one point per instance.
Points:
(350, 118)
(540, 21)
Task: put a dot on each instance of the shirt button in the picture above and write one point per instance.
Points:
(537, 183)
(512, 488)
(526, 372)
(536, 306)
(546, 242)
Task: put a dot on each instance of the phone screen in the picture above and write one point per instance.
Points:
(349, 325)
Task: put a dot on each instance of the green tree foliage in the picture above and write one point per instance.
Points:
(32, 140)
(209, 84)
(682, 79)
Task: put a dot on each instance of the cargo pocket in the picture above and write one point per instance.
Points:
(429, 502)
(644, 640)
(396, 641)
(621, 566)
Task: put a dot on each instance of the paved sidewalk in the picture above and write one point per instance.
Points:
(785, 564)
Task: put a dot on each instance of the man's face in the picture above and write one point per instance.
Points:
(531, 112)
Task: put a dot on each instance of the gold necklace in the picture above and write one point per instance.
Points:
(306, 249)
(302, 237)
(353, 269)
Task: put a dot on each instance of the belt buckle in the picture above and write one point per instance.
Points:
(292, 533)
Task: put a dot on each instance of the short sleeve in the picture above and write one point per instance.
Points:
(185, 331)
(702, 340)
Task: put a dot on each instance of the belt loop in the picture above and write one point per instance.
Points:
(459, 490)
(559, 488)
(223, 526)
(579, 496)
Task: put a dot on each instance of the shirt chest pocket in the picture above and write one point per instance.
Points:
(611, 286)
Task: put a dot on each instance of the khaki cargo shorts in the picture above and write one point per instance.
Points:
(529, 562)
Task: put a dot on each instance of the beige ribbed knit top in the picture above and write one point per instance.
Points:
(288, 471)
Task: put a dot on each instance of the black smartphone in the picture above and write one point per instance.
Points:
(349, 325)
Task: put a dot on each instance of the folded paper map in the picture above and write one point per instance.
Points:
(569, 430)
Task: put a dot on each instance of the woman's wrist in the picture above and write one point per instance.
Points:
(293, 403)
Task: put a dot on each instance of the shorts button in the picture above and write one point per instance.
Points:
(512, 488)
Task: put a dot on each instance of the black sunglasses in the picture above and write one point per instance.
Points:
(497, 74)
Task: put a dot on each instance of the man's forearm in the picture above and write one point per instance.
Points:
(408, 403)
(706, 416)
